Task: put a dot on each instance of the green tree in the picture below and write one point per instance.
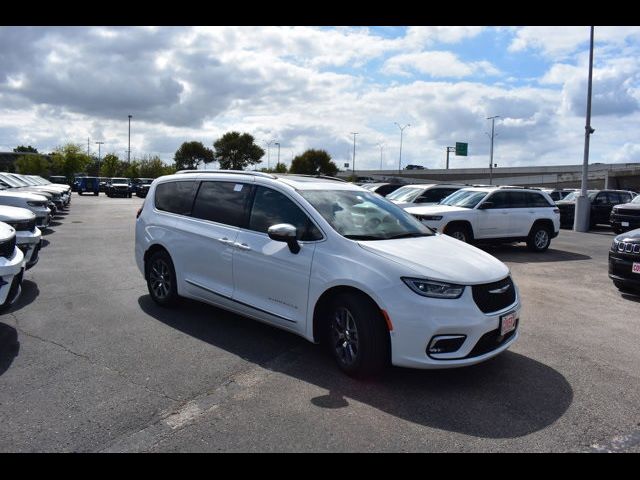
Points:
(235, 151)
(32, 165)
(73, 159)
(314, 162)
(23, 149)
(280, 168)
(111, 166)
(152, 167)
(131, 169)
(190, 154)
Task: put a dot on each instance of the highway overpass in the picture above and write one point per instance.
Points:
(601, 175)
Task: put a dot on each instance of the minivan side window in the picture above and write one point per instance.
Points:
(175, 197)
(221, 202)
(271, 208)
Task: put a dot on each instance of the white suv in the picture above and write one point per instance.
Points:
(329, 261)
(422, 194)
(505, 214)
(11, 267)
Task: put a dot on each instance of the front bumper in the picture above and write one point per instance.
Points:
(416, 321)
(616, 222)
(620, 265)
(29, 243)
(11, 270)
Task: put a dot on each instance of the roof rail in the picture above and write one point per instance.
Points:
(326, 177)
(235, 172)
(519, 186)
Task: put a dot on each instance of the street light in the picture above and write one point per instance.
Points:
(269, 152)
(129, 151)
(381, 145)
(353, 166)
(276, 143)
(99, 145)
(493, 134)
(401, 130)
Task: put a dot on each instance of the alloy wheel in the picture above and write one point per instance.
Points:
(344, 335)
(160, 279)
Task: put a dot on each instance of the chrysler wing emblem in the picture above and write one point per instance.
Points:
(500, 290)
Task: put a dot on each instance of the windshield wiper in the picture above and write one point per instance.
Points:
(411, 235)
(362, 237)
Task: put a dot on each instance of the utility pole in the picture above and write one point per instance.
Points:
(353, 166)
(88, 147)
(493, 120)
(400, 159)
(269, 153)
(99, 145)
(129, 151)
(381, 145)
(581, 218)
(449, 149)
(277, 143)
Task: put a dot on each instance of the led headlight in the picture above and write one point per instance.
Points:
(36, 204)
(431, 288)
(430, 217)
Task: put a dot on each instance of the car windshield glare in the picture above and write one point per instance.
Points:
(464, 198)
(406, 194)
(362, 215)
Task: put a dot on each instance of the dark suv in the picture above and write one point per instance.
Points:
(624, 261)
(141, 186)
(602, 202)
(118, 187)
(626, 216)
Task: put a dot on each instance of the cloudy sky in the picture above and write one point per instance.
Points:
(311, 87)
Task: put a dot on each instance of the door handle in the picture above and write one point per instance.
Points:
(225, 240)
(242, 246)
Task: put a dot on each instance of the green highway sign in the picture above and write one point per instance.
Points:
(461, 149)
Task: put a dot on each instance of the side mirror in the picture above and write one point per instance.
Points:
(485, 205)
(285, 232)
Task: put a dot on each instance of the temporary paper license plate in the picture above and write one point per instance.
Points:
(624, 224)
(507, 323)
(635, 268)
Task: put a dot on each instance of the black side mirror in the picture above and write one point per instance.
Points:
(285, 232)
(485, 205)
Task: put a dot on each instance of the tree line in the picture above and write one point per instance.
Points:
(232, 151)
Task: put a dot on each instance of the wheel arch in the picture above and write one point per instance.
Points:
(542, 221)
(156, 247)
(465, 223)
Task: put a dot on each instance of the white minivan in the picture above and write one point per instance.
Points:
(329, 261)
(11, 267)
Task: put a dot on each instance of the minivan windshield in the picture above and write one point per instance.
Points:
(464, 198)
(406, 194)
(361, 215)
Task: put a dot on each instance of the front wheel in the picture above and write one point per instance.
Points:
(539, 238)
(459, 232)
(161, 279)
(357, 335)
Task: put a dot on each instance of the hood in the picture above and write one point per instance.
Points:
(12, 214)
(26, 196)
(6, 232)
(566, 203)
(629, 206)
(119, 184)
(435, 210)
(630, 236)
(440, 257)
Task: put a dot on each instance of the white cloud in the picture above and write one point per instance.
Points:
(436, 64)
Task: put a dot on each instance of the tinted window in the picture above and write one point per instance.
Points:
(601, 199)
(537, 200)
(518, 199)
(222, 202)
(625, 197)
(615, 198)
(500, 200)
(434, 195)
(271, 208)
(175, 197)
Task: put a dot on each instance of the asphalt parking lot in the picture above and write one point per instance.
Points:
(89, 363)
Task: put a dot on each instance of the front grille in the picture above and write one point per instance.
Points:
(23, 225)
(490, 341)
(7, 247)
(626, 247)
(624, 211)
(489, 302)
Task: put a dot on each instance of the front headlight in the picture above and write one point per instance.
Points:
(614, 245)
(430, 217)
(35, 204)
(434, 289)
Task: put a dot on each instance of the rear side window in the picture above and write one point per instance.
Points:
(222, 202)
(434, 195)
(537, 200)
(175, 197)
(500, 200)
(271, 208)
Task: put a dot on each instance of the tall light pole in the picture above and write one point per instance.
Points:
(401, 130)
(269, 153)
(581, 218)
(353, 165)
(99, 145)
(493, 121)
(381, 145)
(277, 143)
(129, 150)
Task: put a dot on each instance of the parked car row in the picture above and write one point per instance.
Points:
(602, 205)
(112, 187)
(26, 203)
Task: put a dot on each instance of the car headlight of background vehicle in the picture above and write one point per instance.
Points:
(36, 204)
(429, 217)
(434, 289)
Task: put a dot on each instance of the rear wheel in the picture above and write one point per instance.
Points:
(539, 238)
(357, 335)
(161, 279)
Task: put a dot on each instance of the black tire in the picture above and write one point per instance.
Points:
(79, 192)
(624, 288)
(357, 335)
(539, 238)
(95, 194)
(129, 195)
(460, 232)
(161, 279)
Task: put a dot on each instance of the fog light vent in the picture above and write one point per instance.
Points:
(445, 344)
